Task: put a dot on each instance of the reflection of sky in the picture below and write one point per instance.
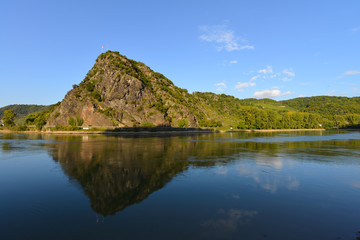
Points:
(291, 137)
(267, 173)
(271, 162)
(269, 181)
(355, 184)
(228, 221)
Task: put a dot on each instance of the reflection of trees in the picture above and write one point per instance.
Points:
(116, 172)
(119, 172)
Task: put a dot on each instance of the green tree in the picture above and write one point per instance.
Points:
(79, 120)
(72, 121)
(9, 118)
(183, 123)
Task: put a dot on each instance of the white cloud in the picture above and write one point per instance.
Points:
(302, 95)
(275, 75)
(305, 83)
(290, 73)
(224, 38)
(286, 79)
(271, 93)
(220, 86)
(352, 72)
(240, 85)
(331, 92)
(266, 70)
(355, 29)
(233, 62)
(254, 78)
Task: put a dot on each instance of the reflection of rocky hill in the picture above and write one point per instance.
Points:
(116, 172)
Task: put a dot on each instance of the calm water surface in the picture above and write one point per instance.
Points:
(303, 185)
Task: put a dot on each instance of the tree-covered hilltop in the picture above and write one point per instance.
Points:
(327, 106)
(338, 112)
(22, 110)
(120, 92)
(310, 112)
(255, 114)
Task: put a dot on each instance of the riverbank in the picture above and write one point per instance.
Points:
(171, 131)
(279, 130)
(123, 132)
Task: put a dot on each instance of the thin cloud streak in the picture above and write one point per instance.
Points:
(240, 85)
(224, 38)
(352, 72)
(271, 93)
(221, 86)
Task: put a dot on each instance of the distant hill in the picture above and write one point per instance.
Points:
(327, 106)
(306, 112)
(120, 92)
(22, 110)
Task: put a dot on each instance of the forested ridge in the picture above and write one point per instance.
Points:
(22, 110)
(307, 112)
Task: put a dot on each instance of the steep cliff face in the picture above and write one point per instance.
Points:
(121, 92)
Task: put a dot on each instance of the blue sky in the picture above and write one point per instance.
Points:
(275, 49)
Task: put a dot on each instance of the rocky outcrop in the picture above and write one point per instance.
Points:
(121, 92)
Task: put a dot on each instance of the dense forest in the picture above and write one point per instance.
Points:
(309, 112)
(22, 110)
(27, 116)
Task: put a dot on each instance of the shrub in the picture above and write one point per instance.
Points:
(183, 123)
(72, 121)
(40, 124)
(96, 95)
(79, 120)
(22, 128)
(147, 124)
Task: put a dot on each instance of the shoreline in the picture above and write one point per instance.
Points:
(280, 130)
(172, 132)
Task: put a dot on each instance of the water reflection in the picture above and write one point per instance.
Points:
(228, 221)
(117, 172)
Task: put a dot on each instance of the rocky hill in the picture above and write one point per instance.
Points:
(121, 92)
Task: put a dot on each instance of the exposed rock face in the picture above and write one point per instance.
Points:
(121, 92)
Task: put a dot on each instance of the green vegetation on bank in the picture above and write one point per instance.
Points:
(22, 110)
(223, 111)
